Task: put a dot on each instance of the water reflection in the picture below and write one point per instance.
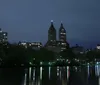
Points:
(99, 80)
(88, 68)
(25, 78)
(49, 72)
(30, 74)
(40, 73)
(67, 72)
(97, 69)
(62, 75)
(76, 75)
(58, 70)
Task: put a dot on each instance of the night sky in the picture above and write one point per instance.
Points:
(30, 20)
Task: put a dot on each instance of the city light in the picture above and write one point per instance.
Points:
(49, 63)
(33, 58)
(41, 63)
(30, 63)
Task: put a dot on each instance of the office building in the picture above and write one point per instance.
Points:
(3, 36)
(33, 45)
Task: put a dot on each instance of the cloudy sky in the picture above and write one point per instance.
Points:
(30, 19)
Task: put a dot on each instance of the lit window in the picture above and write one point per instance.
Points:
(38, 43)
(4, 34)
(0, 31)
(29, 44)
(98, 47)
(39, 46)
(63, 43)
(23, 43)
(63, 33)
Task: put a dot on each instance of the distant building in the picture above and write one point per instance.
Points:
(62, 38)
(33, 45)
(3, 36)
(78, 49)
(98, 47)
(52, 33)
(53, 44)
(62, 33)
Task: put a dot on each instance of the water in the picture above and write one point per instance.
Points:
(63, 75)
(51, 75)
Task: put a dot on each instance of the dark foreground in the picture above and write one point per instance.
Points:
(47, 76)
(11, 76)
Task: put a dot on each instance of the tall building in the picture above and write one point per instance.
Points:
(52, 33)
(3, 36)
(62, 33)
(53, 44)
(62, 37)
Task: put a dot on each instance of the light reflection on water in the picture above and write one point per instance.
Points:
(25, 78)
(40, 73)
(49, 72)
(67, 72)
(62, 76)
(99, 80)
(33, 74)
(88, 66)
(58, 70)
(97, 69)
(30, 69)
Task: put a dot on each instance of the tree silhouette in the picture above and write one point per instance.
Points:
(67, 54)
(45, 55)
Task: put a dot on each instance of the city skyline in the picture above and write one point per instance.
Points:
(62, 37)
(31, 20)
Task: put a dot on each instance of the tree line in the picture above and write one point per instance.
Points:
(17, 54)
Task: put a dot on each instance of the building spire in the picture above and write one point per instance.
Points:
(61, 24)
(51, 22)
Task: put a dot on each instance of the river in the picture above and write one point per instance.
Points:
(50, 76)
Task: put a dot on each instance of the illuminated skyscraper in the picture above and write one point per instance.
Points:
(62, 33)
(53, 44)
(3, 36)
(62, 37)
(52, 33)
